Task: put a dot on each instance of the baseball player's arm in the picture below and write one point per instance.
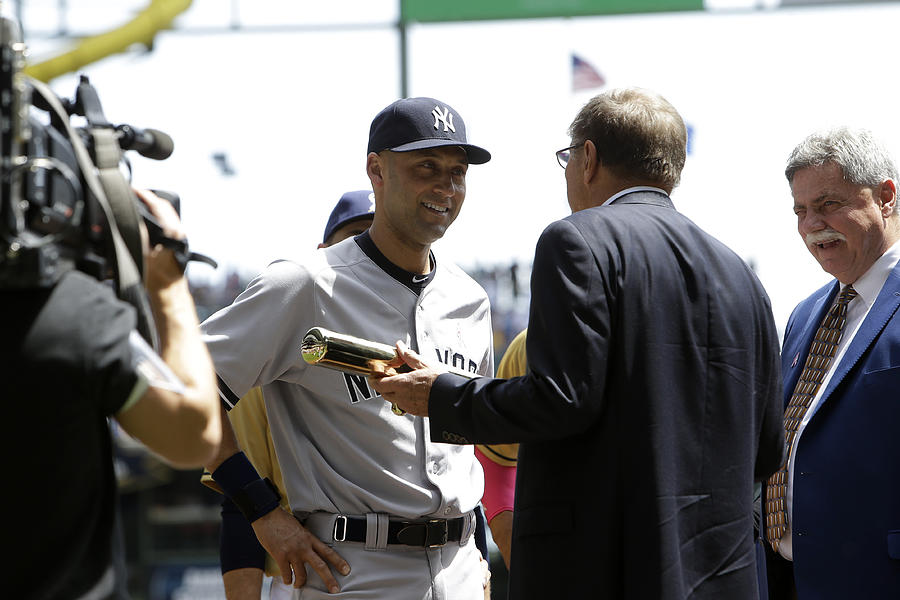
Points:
(501, 530)
(290, 544)
(243, 584)
(240, 554)
(499, 461)
(243, 560)
(499, 487)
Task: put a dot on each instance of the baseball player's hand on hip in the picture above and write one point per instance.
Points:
(292, 545)
(407, 390)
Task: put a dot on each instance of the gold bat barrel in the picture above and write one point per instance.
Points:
(347, 354)
(355, 355)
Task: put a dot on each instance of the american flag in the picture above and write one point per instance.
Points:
(585, 76)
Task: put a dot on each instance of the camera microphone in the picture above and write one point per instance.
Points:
(151, 143)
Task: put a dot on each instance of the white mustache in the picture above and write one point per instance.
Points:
(822, 237)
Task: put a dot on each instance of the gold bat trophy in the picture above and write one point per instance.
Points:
(353, 355)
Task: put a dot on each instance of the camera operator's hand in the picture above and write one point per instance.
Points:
(161, 268)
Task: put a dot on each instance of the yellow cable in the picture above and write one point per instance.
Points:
(158, 15)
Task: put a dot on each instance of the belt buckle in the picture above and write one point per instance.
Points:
(435, 533)
(342, 520)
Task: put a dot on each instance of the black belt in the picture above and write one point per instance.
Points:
(425, 534)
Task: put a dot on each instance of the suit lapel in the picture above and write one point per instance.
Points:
(880, 314)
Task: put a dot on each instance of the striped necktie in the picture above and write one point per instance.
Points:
(820, 354)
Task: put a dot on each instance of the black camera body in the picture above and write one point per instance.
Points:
(63, 194)
(51, 219)
(65, 200)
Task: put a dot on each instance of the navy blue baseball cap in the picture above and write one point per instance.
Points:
(417, 123)
(351, 207)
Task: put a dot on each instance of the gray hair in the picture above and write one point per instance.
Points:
(862, 158)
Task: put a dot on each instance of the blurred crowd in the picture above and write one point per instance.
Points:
(507, 286)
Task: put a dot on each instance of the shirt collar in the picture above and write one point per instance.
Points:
(413, 281)
(637, 188)
(869, 285)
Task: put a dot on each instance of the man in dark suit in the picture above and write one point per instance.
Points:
(652, 400)
(833, 510)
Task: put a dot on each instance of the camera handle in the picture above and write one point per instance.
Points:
(179, 248)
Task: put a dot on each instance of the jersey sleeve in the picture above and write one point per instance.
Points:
(257, 338)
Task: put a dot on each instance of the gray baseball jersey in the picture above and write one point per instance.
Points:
(340, 447)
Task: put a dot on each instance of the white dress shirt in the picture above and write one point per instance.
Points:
(637, 188)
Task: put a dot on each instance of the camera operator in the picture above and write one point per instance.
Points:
(71, 359)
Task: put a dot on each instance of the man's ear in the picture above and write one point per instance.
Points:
(374, 169)
(591, 163)
(887, 196)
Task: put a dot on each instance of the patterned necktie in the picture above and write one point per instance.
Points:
(820, 354)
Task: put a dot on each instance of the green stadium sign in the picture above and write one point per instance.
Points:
(433, 11)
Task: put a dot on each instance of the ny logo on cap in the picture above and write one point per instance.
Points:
(445, 117)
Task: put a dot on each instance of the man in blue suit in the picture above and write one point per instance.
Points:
(833, 511)
(652, 398)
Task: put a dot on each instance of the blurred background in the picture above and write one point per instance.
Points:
(269, 104)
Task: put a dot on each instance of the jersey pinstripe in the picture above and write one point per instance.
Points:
(340, 447)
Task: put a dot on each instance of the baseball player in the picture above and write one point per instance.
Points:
(368, 489)
(243, 560)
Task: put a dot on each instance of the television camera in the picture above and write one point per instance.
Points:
(65, 199)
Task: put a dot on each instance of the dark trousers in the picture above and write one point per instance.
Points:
(481, 532)
(779, 576)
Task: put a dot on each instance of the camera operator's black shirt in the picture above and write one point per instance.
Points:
(66, 366)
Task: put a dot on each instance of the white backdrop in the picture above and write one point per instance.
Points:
(291, 110)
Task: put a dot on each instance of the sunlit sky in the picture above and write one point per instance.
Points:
(290, 104)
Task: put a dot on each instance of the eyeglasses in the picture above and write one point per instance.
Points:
(562, 156)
